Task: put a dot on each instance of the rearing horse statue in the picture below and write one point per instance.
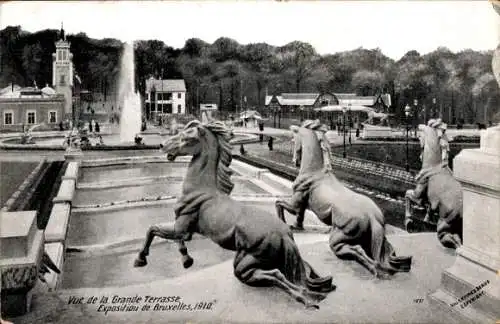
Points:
(437, 189)
(358, 230)
(266, 253)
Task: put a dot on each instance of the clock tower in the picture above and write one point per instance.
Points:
(62, 72)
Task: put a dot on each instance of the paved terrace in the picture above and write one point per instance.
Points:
(359, 297)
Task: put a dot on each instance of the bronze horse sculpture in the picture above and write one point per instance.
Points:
(437, 190)
(266, 253)
(358, 230)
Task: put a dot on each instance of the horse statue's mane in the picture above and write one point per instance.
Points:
(223, 135)
(314, 125)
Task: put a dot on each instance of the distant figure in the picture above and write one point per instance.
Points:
(90, 126)
(357, 132)
(61, 128)
(261, 125)
(138, 139)
(97, 127)
(270, 143)
(101, 142)
(261, 138)
(242, 150)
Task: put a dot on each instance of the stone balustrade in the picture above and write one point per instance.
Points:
(71, 171)
(57, 227)
(66, 191)
(21, 250)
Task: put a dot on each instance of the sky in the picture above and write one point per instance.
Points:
(330, 26)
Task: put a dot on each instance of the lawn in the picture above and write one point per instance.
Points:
(12, 175)
(395, 153)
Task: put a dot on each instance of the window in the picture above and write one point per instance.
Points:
(62, 80)
(52, 117)
(65, 55)
(31, 117)
(8, 118)
(179, 95)
(167, 109)
(160, 96)
(59, 56)
(178, 109)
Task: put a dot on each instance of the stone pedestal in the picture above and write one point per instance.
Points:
(471, 287)
(372, 131)
(73, 154)
(21, 250)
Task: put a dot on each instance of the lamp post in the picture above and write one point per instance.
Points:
(274, 119)
(407, 114)
(434, 109)
(343, 130)
(350, 121)
(417, 115)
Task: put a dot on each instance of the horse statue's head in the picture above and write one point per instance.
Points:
(212, 153)
(307, 146)
(434, 143)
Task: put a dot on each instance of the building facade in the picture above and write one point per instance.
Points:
(290, 102)
(165, 97)
(22, 108)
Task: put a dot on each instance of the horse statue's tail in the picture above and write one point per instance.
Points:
(382, 250)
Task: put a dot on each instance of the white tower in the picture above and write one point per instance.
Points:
(62, 72)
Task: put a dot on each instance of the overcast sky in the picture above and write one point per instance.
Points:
(330, 26)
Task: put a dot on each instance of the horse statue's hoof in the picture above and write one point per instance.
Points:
(187, 261)
(296, 227)
(410, 225)
(140, 262)
(451, 241)
(312, 306)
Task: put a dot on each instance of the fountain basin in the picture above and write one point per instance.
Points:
(111, 142)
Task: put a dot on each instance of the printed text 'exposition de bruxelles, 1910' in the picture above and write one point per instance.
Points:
(141, 303)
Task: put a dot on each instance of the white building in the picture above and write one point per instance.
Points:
(165, 97)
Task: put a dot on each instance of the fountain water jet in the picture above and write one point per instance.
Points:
(129, 99)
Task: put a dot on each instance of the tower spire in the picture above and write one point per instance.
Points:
(62, 32)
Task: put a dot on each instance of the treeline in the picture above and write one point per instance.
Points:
(230, 74)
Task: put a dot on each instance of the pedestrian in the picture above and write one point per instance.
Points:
(357, 132)
(242, 150)
(97, 127)
(61, 126)
(270, 144)
(90, 127)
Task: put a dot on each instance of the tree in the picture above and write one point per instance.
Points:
(299, 58)
(368, 83)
